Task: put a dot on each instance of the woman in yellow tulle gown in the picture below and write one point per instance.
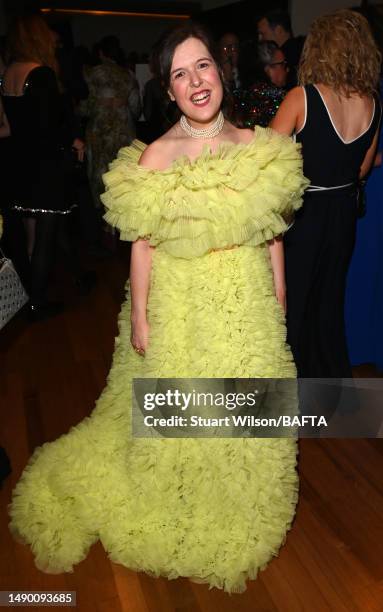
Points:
(205, 300)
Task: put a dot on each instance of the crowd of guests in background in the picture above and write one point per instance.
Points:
(72, 111)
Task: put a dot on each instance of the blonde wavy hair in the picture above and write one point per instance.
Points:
(340, 52)
(30, 40)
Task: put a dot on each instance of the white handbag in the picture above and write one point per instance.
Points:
(12, 293)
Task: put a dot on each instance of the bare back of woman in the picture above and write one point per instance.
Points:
(351, 116)
(16, 76)
(335, 116)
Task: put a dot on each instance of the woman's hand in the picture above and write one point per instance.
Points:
(140, 335)
(277, 259)
(280, 292)
(79, 146)
(140, 268)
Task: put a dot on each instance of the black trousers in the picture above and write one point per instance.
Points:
(318, 249)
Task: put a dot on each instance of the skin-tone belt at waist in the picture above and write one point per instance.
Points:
(228, 248)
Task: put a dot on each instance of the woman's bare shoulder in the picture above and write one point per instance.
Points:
(246, 135)
(296, 95)
(160, 153)
(239, 135)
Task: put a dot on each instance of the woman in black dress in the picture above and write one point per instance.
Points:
(38, 180)
(335, 115)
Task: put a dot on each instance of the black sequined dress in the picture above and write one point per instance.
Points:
(39, 166)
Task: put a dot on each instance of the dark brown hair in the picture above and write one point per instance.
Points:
(278, 17)
(169, 42)
(165, 49)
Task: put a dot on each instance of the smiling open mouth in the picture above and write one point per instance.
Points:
(201, 97)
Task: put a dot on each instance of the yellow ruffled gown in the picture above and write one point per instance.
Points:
(215, 510)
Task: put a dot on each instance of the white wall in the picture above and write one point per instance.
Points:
(304, 11)
(135, 33)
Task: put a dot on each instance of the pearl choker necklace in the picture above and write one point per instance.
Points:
(209, 132)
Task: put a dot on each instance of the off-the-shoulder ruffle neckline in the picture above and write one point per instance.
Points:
(224, 150)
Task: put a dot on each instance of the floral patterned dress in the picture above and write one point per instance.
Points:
(113, 106)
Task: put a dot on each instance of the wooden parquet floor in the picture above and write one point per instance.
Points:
(50, 375)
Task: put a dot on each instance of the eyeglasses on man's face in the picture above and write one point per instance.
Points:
(230, 48)
(282, 63)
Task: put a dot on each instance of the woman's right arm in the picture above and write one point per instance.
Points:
(369, 157)
(141, 262)
(140, 269)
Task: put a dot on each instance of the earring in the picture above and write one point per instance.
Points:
(172, 98)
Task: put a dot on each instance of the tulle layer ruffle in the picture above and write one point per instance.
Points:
(167, 507)
(213, 510)
(242, 194)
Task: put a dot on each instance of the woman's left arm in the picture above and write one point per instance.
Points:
(277, 258)
(5, 130)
